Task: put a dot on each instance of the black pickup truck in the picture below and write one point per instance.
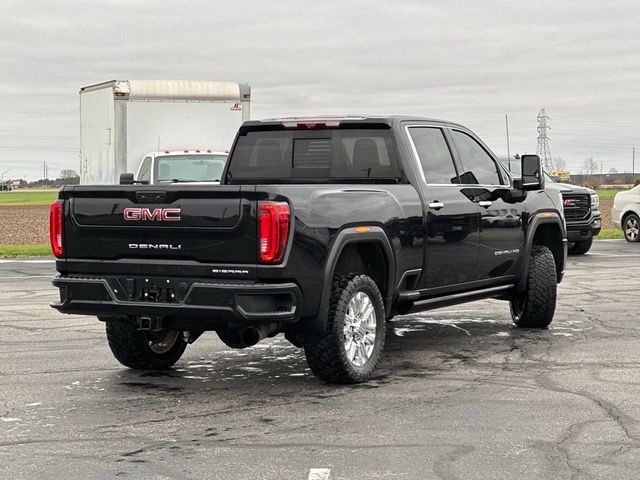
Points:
(322, 229)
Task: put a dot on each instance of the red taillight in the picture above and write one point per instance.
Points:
(55, 227)
(273, 228)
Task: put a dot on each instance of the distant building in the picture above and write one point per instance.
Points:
(604, 179)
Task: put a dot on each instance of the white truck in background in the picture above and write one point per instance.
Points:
(122, 120)
(193, 166)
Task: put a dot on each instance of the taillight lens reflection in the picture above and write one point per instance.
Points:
(273, 228)
(55, 227)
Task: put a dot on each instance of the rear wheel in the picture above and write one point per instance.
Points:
(352, 347)
(631, 228)
(144, 350)
(534, 308)
(582, 247)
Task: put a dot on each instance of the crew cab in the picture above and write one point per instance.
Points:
(170, 166)
(322, 229)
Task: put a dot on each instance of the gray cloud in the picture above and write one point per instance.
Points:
(470, 62)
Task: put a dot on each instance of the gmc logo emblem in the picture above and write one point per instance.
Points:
(157, 214)
(569, 203)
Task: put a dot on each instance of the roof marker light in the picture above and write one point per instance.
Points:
(311, 123)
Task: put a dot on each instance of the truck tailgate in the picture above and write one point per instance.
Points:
(209, 224)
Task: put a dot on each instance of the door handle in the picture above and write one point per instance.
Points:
(485, 203)
(436, 205)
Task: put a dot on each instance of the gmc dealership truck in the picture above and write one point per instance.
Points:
(322, 229)
(122, 120)
(581, 208)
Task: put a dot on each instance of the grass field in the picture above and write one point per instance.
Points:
(13, 251)
(28, 197)
(609, 233)
(608, 192)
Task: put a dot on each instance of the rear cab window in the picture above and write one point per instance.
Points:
(298, 155)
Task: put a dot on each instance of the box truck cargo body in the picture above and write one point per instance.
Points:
(121, 121)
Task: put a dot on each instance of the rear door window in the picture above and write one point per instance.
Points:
(479, 167)
(434, 155)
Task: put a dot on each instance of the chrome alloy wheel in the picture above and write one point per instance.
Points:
(164, 342)
(359, 329)
(631, 229)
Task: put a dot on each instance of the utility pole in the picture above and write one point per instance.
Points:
(633, 165)
(506, 122)
(2, 177)
(543, 139)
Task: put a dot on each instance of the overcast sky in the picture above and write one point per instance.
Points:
(466, 61)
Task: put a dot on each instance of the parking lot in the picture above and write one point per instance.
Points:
(461, 394)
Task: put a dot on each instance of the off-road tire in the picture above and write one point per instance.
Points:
(131, 349)
(581, 247)
(534, 308)
(633, 218)
(326, 355)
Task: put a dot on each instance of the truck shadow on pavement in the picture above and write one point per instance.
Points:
(416, 346)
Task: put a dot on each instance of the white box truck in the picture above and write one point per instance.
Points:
(122, 120)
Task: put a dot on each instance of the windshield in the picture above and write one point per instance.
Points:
(513, 166)
(190, 168)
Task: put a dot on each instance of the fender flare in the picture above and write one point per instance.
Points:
(541, 218)
(346, 237)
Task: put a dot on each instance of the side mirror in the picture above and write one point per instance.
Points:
(126, 179)
(532, 177)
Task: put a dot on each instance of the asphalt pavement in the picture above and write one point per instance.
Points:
(461, 394)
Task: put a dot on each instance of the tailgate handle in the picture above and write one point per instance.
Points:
(151, 197)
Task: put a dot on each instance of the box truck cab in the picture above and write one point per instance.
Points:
(193, 166)
(122, 120)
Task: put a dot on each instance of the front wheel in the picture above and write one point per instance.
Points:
(352, 347)
(631, 228)
(534, 308)
(582, 247)
(144, 350)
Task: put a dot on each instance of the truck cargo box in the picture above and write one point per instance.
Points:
(120, 121)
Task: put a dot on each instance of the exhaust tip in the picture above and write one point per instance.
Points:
(250, 336)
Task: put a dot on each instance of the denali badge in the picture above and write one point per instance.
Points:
(157, 214)
(154, 246)
(499, 253)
